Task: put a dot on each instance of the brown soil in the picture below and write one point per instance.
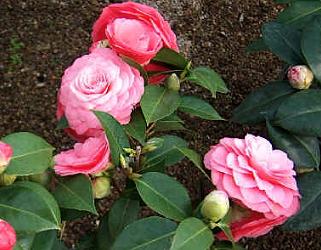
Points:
(212, 33)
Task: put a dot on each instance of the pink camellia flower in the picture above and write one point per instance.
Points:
(7, 236)
(255, 176)
(98, 81)
(6, 153)
(90, 157)
(134, 30)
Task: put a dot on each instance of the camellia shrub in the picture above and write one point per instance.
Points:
(120, 103)
(291, 105)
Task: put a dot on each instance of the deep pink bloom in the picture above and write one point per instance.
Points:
(255, 176)
(134, 30)
(90, 157)
(6, 153)
(98, 81)
(7, 236)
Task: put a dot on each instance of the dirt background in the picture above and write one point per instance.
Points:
(52, 33)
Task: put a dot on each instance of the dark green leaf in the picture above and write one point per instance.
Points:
(192, 234)
(209, 79)
(284, 41)
(311, 46)
(164, 195)
(303, 150)
(72, 214)
(159, 102)
(62, 123)
(309, 215)
(75, 193)
(172, 58)
(262, 103)
(47, 241)
(172, 122)
(198, 107)
(31, 154)
(103, 238)
(137, 66)
(301, 113)
(122, 213)
(137, 127)
(115, 134)
(29, 208)
(257, 45)
(168, 151)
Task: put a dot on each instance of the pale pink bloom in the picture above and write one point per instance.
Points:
(90, 157)
(6, 153)
(98, 81)
(134, 30)
(7, 236)
(254, 175)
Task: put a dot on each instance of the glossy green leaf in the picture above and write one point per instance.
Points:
(122, 213)
(303, 150)
(62, 123)
(171, 122)
(115, 134)
(167, 152)
(299, 13)
(309, 215)
(159, 102)
(164, 195)
(152, 233)
(103, 237)
(192, 234)
(301, 113)
(257, 45)
(47, 240)
(75, 193)
(171, 58)
(29, 208)
(137, 127)
(311, 47)
(31, 154)
(209, 79)
(284, 41)
(198, 107)
(262, 103)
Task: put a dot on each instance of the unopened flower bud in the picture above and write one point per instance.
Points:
(42, 179)
(152, 145)
(103, 44)
(173, 82)
(215, 205)
(6, 180)
(123, 162)
(300, 77)
(101, 187)
(8, 236)
(6, 153)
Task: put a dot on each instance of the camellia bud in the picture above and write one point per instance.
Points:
(42, 179)
(152, 144)
(215, 205)
(6, 180)
(6, 153)
(300, 77)
(8, 236)
(101, 187)
(173, 82)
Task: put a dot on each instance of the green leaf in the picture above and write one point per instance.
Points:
(137, 127)
(309, 215)
(193, 157)
(153, 233)
(122, 213)
(301, 113)
(31, 154)
(303, 150)
(198, 107)
(75, 193)
(284, 41)
(29, 208)
(192, 234)
(158, 102)
(116, 136)
(47, 241)
(209, 79)
(300, 13)
(171, 122)
(167, 152)
(164, 195)
(137, 66)
(257, 45)
(62, 123)
(311, 46)
(171, 58)
(103, 237)
(72, 214)
(262, 103)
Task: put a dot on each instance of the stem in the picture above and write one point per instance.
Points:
(62, 229)
(150, 129)
(137, 158)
